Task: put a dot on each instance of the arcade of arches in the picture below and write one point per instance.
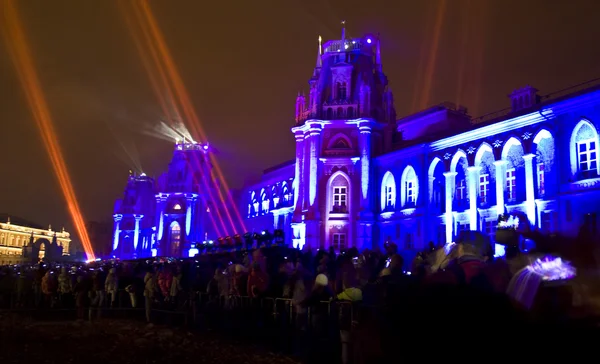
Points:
(14, 237)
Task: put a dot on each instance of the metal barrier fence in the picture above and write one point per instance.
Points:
(324, 329)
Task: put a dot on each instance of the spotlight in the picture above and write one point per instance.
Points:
(239, 243)
(228, 242)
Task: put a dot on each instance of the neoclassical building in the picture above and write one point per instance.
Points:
(16, 234)
(171, 215)
(361, 176)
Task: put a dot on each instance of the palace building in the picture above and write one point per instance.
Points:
(20, 238)
(168, 216)
(361, 176)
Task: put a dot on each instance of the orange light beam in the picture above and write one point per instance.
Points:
(165, 84)
(160, 83)
(430, 70)
(188, 109)
(210, 198)
(21, 57)
(154, 82)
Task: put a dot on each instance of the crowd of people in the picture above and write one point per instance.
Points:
(445, 289)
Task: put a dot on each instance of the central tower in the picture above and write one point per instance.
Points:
(348, 118)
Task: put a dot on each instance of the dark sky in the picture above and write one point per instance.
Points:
(243, 63)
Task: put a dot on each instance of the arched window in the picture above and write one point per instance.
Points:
(339, 141)
(410, 187)
(340, 113)
(584, 151)
(484, 160)
(254, 203)
(175, 236)
(437, 183)
(275, 196)
(350, 112)
(544, 158)
(338, 191)
(286, 192)
(388, 192)
(264, 201)
(341, 90)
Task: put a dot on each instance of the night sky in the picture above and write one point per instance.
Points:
(243, 63)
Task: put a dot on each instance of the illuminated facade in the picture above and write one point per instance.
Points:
(17, 236)
(362, 177)
(170, 216)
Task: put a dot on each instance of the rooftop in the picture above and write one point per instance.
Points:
(15, 220)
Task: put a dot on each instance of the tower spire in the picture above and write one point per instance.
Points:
(378, 55)
(319, 62)
(343, 31)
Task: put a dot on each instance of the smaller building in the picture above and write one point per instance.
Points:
(100, 233)
(16, 235)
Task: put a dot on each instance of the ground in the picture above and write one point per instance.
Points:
(110, 341)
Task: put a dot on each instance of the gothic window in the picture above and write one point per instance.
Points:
(584, 151)
(511, 184)
(254, 203)
(461, 190)
(340, 196)
(350, 113)
(341, 143)
(541, 179)
(339, 241)
(264, 201)
(175, 239)
(388, 192)
(340, 113)
(329, 113)
(410, 187)
(341, 90)
(484, 188)
(275, 196)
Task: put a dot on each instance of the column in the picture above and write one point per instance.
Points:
(529, 191)
(299, 193)
(450, 179)
(116, 231)
(500, 173)
(364, 143)
(136, 235)
(473, 187)
(314, 144)
(190, 215)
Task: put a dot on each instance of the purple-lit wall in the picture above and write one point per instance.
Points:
(170, 216)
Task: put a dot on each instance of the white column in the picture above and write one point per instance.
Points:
(529, 191)
(500, 174)
(364, 143)
(116, 231)
(473, 189)
(136, 235)
(450, 180)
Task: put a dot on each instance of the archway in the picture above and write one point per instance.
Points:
(175, 237)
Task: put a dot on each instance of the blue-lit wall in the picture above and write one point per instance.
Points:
(361, 177)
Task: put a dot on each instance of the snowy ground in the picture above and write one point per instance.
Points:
(118, 341)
